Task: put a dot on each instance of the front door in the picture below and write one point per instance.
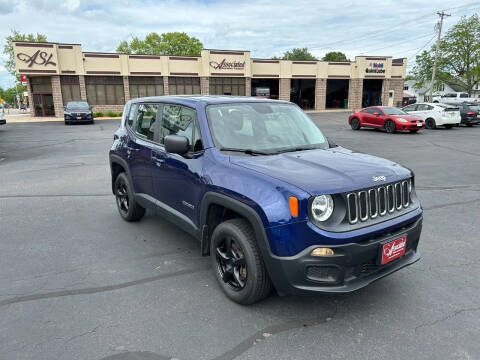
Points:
(139, 148)
(176, 178)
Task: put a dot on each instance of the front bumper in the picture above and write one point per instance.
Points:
(353, 266)
(83, 118)
(407, 126)
(3, 121)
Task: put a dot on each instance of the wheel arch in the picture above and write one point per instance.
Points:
(117, 166)
(216, 207)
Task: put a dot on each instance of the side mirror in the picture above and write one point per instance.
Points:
(376, 113)
(176, 144)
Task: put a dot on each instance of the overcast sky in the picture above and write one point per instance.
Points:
(267, 27)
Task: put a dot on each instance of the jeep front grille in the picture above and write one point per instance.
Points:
(379, 201)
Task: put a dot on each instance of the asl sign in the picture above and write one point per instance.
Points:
(38, 58)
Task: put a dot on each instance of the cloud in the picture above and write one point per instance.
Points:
(7, 6)
(267, 28)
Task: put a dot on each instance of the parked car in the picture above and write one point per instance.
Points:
(470, 113)
(272, 201)
(385, 117)
(3, 120)
(263, 92)
(77, 111)
(454, 98)
(435, 114)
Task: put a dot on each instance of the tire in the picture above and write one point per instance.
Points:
(92, 122)
(355, 124)
(68, 122)
(430, 124)
(239, 267)
(448, 126)
(390, 126)
(127, 207)
(469, 124)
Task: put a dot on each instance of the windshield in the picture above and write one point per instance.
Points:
(446, 106)
(393, 111)
(77, 105)
(266, 127)
(474, 107)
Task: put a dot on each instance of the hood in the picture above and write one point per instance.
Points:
(329, 171)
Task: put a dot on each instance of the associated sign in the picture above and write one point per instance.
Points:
(38, 58)
(376, 68)
(227, 65)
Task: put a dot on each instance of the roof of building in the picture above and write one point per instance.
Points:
(207, 99)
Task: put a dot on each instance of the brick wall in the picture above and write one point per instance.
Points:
(397, 86)
(248, 86)
(126, 88)
(320, 94)
(284, 91)
(166, 91)
(30, 98)
(57, 96)
(83, 88)
(355, 90)
(204, 85)
(385, 90)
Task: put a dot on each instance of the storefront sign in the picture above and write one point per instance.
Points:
(38, 58)
(376, 68)
(227, 65)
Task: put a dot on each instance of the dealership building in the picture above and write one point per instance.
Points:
(57, 73)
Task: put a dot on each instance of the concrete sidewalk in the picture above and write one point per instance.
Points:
(26, 118)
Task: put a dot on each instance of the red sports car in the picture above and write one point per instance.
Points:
(385, 117)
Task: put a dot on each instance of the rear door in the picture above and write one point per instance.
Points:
(411, 109)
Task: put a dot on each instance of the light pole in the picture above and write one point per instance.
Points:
(442, 15)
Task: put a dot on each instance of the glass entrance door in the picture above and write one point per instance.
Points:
(43, 105)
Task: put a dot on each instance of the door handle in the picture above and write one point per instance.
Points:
(158, 161)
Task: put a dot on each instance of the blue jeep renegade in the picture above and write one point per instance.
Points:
(270, 199)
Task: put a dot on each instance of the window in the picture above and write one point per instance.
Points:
(141, 86)
(410, 107)
(422, 107)
(263, 127)
(131, 115)
(464, 95)
(179, 120)
(405, 87)
(41, 84)
(146, 118)
(183, 85)
(227, 86)
(105, 90)
(70, 88)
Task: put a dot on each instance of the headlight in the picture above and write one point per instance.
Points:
(402, 120)
(322, 207)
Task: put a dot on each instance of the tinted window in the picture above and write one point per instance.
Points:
(77, 105)
(145, 122)
(423, 107)
(464, 95)
(410, 107)
(131, 115)
(178, 120)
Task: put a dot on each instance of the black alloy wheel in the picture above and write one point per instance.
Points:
(231, 264)
(430, 124)
(127, 206)
(355, 124)
(121, 194)
(390, 126)
(238, 263)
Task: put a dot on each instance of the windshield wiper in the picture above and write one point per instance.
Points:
(299, 148)
(246, 151)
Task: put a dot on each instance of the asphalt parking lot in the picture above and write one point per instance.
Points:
(77, 282)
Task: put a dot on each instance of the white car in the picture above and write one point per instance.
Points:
(456, 98)
(3, 121)
(435, 114)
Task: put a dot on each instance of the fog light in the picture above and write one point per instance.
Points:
(322, 252)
